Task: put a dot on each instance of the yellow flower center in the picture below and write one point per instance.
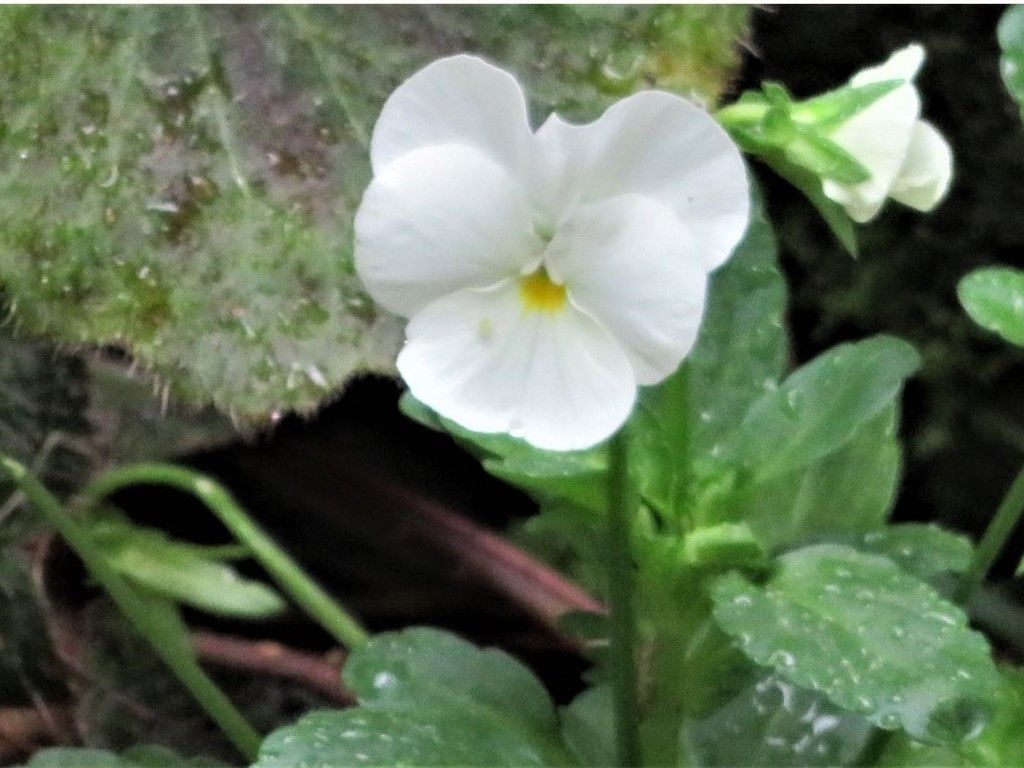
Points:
(540, 293)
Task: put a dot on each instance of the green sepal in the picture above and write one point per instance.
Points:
(835, 107)
(813, 151)
(832, 213)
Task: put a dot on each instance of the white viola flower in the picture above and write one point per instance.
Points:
(546, 274)
(909, 160)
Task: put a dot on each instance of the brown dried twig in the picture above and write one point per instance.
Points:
(539, 589)
(268, 657)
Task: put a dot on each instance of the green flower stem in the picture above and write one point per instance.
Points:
(139, 612)
(285, 572)
(623, 619)
(996, 535)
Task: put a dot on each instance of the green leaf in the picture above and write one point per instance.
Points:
(923, 549)
(573, 476)
(1000, 744)
(741, 350)
(588, 727)
(743, 347)
(994, 299)
(1002, 741)
(427, 698)
(774, 723)
(578, 477)
(820, 407)
(850, 491)
(1010, 34)
(183, 572)
(136, 757)
(871, 637)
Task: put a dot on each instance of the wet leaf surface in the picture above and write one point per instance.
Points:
(923, 549)
(836, 621)
(775, 723)
(427, 698)
(1000, 744)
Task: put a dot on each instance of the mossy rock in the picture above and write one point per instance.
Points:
(179, 183)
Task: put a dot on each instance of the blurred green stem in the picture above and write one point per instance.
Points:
(285, 572)
(620, 593)
(139, 612)
(996, 535)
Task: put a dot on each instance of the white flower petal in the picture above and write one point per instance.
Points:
(457, 100)
(903, 64)
(878, 138)
(556, 379)
(437, 220)
(656, 144)
(629, 262)
(924, 178)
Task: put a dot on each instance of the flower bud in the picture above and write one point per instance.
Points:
(908, 159)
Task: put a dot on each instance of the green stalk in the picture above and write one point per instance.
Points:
(285, 572)
(996, 535)
(623, 617)
(139, 611)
